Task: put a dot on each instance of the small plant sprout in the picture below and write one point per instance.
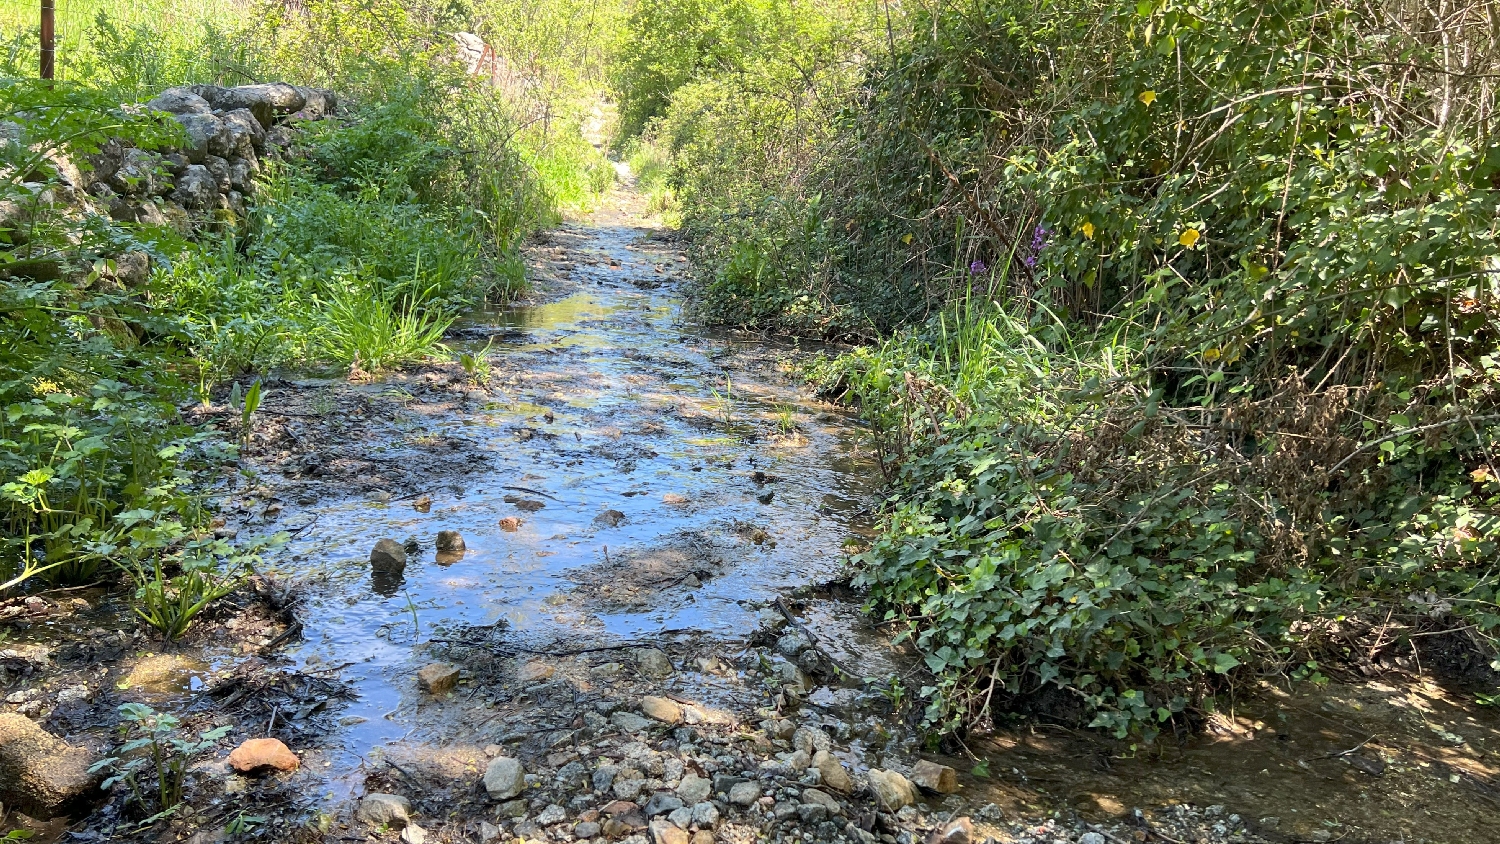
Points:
(154, 758)
(247, 404)
(477, 364)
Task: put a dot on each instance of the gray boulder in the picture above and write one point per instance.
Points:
(40, 774)
(197, 189)
(206, 135)
(137, 173)
(389, 810)
(318, 103)
(504, 778)
(266, 101)
(244, 128)
(242, 173)
(179, 101)
(220, 168)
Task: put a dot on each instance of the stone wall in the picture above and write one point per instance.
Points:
(206, 181)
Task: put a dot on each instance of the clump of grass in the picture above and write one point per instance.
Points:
(380, 332)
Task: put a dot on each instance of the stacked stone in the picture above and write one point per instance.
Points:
(229, 132)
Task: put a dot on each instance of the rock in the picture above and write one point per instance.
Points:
(629, 722)
(263, 754)
(662, 803)
(206, 135)
(553, 814)
(450, 540)
(960, 831)
(266, 102)
(504, 778)
(811, 813)
(693, 789)
(510, 524)
(241, 123)
(822, 798)
(179, 101)
(892, 790)
(40, 774)
(197, 188)
(792, 644)
(604, 777)
(702, 836)
(437, 678)
(673, 499)
(934, 777)
(136, 174)
(653, 663)
(384, 810)
(587, 829)
(705, 814)
(488, 832)
(514, 809)
(665, 832)
(535, 671)
(317, 103)
(219, 167)
(832, 772)
(387, 555)
(724, 782)
(810, 740)
(662, 709)
(628, 789)
(413, 834)
(681, 816)
(609, 518)
(242, 173)
(744, 793)
(1091, 838)
(797, 761)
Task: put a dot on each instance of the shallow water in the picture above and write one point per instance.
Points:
(647, 473)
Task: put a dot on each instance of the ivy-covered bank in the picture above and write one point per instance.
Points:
(1183, 363)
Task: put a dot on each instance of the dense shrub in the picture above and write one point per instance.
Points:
(1219, 397)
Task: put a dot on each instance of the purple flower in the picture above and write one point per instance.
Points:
(977, 267)
(1039, 241)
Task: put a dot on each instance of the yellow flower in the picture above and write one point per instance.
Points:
(1088, 229)
(1189, 237)
(1211, 355)
(1148, 97)
(45, 386)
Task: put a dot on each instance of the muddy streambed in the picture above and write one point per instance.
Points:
(627, 481)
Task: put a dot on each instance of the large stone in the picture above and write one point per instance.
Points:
(390, 810)
(40, 774)
(654, 663)
(504, 778)
(705, 815)
(450, 540)
(388, 555)
(179, 101)
(219, 167)
(629, 722)
(810, 740)
(536, 671)
(137, 174)
(242, 173)
(744, 793)
(318, 103)
(206, 135)
(437, 678)
(263, 754)
(264, 101)
(892, 790)
(242, 123)
(832, 772)
(934, 777)
(822, 798)
(197, 189)
(693, 789)
(662, 709)
(661, 803)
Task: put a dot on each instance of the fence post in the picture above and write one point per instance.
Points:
(48, 36)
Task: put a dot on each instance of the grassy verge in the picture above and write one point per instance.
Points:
(1185, 365)
(356, 253)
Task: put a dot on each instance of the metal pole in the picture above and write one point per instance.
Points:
(48, 49)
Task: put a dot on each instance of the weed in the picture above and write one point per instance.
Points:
(477, 364)
(247, 404)
(154, 759)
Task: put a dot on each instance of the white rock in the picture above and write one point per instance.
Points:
(504, 778)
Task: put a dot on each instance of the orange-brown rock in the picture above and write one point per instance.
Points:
(263, 754)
